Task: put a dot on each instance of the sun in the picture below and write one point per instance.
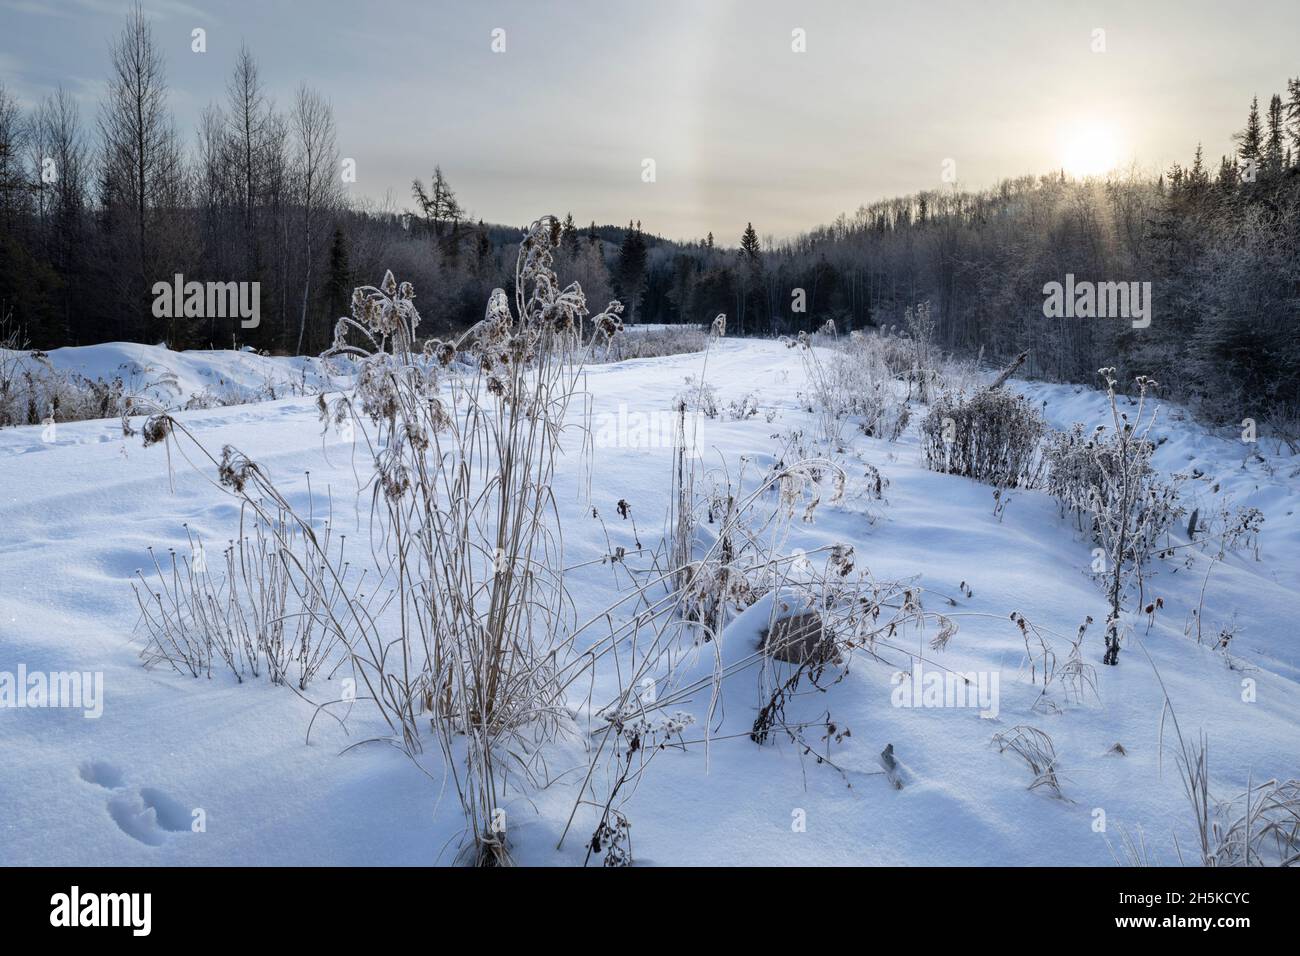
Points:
(1089, 149)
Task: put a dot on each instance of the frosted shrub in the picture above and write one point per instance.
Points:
(855, 382)
(1105, 478)
(698, 397)
(1084, 472)
(653, 343)
(992, 437)
(959, 376)
(867, 387)
(33, 391)
(894, 348)
(920, 327)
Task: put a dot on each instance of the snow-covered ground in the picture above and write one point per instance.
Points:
(77, 515)
(197, 378)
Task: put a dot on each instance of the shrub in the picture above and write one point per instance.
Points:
(654, 342)
(992, 437)
(1084, 473)
(1108, 481)
(33, 392)
(857, 382)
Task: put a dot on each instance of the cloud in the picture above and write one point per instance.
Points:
(34, 8)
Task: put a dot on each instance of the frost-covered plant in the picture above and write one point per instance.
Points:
(739, 409)
(920, 327)
(961, 376)
(1084, 474)
(894, 346)
(1076, 677)
(11, 344)
(1227, 529)
(264, 603)
(1107, 481)
(637, 741)
(698, 397)
(992, 437)
(1258, 827)
(464, 507)
(634, 342)
(1036, 749)
(854, 383)
(827, 610)
(464, 533)
(33, 391)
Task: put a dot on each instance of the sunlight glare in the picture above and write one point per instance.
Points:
(1089, 149)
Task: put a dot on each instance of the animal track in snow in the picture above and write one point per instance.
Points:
(103, 773)
(146, 814)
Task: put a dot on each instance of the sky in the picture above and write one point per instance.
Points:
(883, 99)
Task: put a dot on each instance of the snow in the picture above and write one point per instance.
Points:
(79, 513)
(209, 377)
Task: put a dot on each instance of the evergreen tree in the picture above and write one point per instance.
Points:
(569, 235)
(1198, 180)
(751, 279)
(338, 278)
(1274, 149)
(482, 250)
(630, 271)
(1293, 116)
(1251, 138)
(1229, 176)
(749, 245)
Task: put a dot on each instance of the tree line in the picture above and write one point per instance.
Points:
(94, 212)
(1219, 245)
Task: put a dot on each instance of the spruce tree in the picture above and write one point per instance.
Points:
(482, 250)
(1274, 138)
(338, 278)
(751, 279)
(1251, 138)
(1293, 116)
(749, 244)
(629, 272)
(569, 235)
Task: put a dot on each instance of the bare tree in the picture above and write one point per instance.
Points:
(140, 152)
(277, 200)
(315, 160)
(60, 173)
(13, 140)
(248, 121)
